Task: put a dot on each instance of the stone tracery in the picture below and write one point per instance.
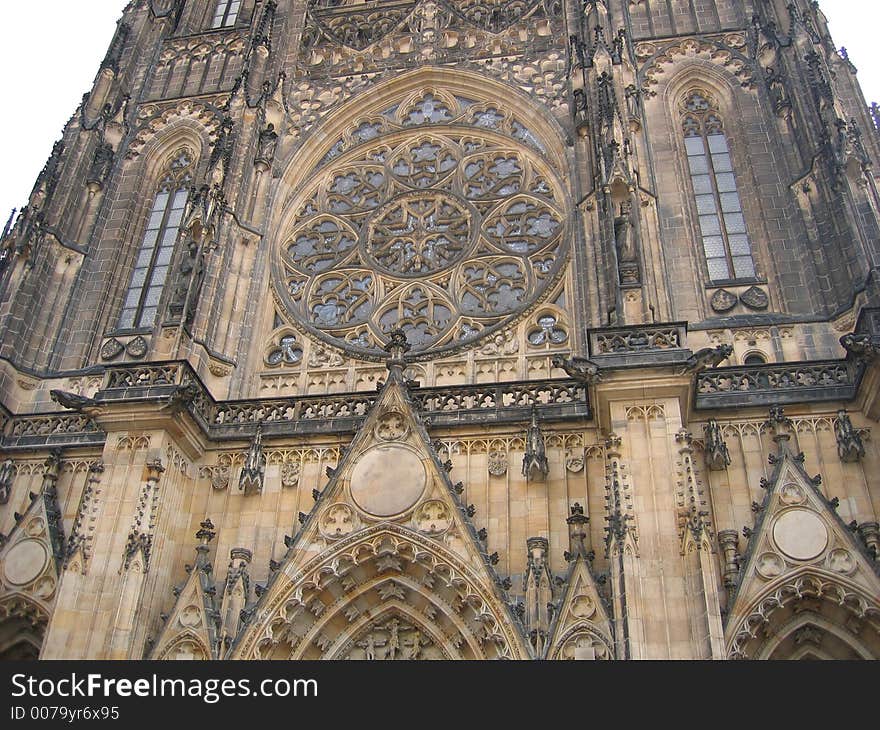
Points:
(440, 188)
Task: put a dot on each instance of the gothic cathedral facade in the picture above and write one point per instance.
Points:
(448, 329)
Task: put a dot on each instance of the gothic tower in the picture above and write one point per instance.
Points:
(401, 329)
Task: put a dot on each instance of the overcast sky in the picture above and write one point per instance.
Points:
(52, 49)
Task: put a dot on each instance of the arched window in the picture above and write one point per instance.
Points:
(722, 226)
(154, 256)
(226, 13)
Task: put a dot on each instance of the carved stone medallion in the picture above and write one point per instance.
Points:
(191, 617)
(337, 520)
(111, 349)
(392, 427)
(841, 561)
(583, 607)
(388, 480)
(755, 298)
(25, 561)
(800, 534)
(723, 301)
(290, 474)
(432, 517)
(137, 347)
(792, 494)
(497, 463)
(769, 565)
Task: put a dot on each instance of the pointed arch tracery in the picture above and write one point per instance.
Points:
(808, 608)
(342, 593)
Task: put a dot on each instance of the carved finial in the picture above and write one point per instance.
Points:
(206, 532)
(397, 348)
(780, 427)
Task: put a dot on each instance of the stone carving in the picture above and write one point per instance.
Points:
(792, 494)
(392, 426)
(770, 565)
(860, 347)
(627, 249)
(290, 474)
(579, 368)
(723, 301)
(111, 349)
(250, 481)
(424, 231)
(220, 477)
(432, 517)
(394, 639)
(768, 378)
(584, 646)
(337, 520)
(7, 474)
(611, 341)
(849, 439)
(715, 448)
(497, 463)
(706, 358)
(137, 347)
(575, 464)
(755, 298)
(841, 561)
(535, 465)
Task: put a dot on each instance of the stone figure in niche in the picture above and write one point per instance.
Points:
(101, 165)
(625, 242)
(535, 465)
(849, 439)
(267, 143)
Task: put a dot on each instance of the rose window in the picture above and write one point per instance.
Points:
(441, 216)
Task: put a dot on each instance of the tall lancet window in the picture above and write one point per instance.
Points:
(722, 226)
(154, 256)
(226, 13)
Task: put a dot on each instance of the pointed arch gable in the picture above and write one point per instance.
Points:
(806, 583)
(296, 587)
(377, 98)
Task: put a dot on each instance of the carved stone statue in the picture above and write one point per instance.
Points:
(7, 474)
(535, 467)
(101, 165)
(708, 357)
(849, 439)
(254, 469)
(715, 450)
(267, 143)
(625, 242)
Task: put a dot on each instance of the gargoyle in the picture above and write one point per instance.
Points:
(579, 368)
(182, 397)
(708, 357)
(860, 347)
(74, 402)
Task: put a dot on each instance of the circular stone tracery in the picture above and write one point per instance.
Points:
(420, 233)
(447, 226)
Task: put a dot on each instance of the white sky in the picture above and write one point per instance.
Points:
(53, 48)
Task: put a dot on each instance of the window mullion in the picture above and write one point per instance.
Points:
(713, 179)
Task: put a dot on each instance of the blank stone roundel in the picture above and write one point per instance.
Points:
(800, 534)
(25, 561)
(388, 480)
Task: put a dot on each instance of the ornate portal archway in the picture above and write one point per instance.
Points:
(384, 593)
(809, 615)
